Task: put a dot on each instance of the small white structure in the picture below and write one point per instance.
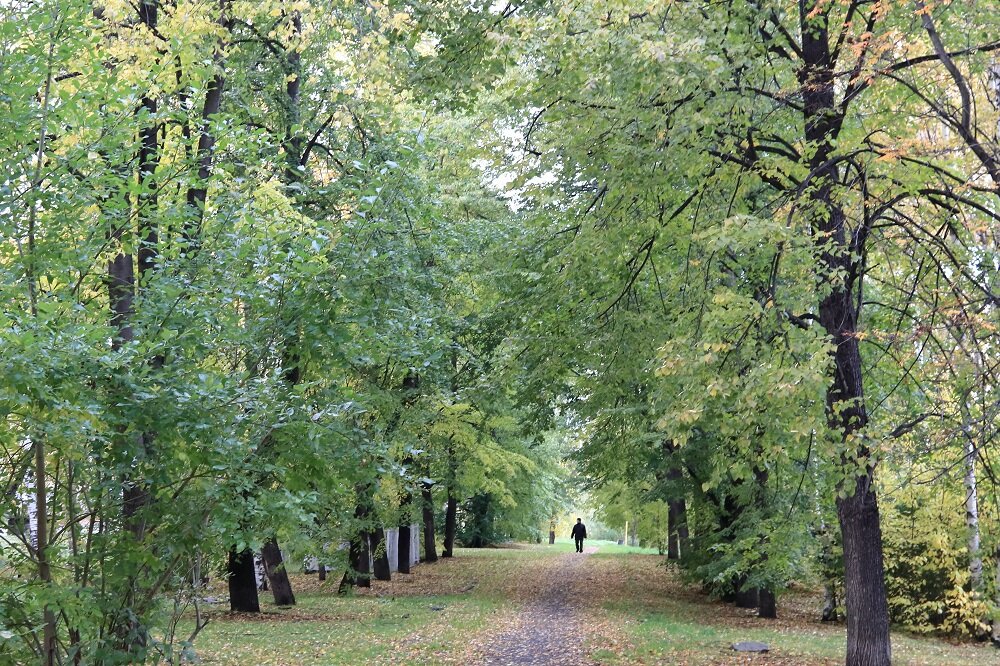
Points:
(392, 548)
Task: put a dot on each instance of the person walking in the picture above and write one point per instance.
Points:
(579, 534)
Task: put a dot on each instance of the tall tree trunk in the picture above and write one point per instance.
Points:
(747, 597)
(995, 632)
(427, 505)
(42, 552)
(451, 503)
(403, 547)
(480, 520)
(677, 528)
(972, 506)
(365, 560)
(197, 193)
(380, 555)
(450, 524)
(242, 582)
(359, 552)
(839, 250)
(766, 604)
(277, 575)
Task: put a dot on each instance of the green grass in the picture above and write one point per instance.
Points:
(431, 617)
(325, 629)
(671, 623)
(693, 638)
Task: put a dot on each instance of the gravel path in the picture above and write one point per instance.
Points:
(550, 629)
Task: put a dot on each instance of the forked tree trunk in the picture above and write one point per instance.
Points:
(359, 552)
(242, 582)
(358, 572)
(277, 575)
(380, 555)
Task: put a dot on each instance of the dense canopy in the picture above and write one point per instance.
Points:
(278, 278)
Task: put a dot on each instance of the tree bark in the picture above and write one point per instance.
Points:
(380, 555)
(972, 512)
(864, 583)
(677, 529)
(747, 597)
(451, 503)
(359, 552)
(430, 548)
(277, 575)
(995, 632)
(403, 546)
(839, 250)
(197, 193)
(242, 582)
(450, 525)
(766, 604)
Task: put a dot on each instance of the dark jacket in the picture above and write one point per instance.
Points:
(579, 531)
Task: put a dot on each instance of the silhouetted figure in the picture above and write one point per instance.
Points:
(579, 534)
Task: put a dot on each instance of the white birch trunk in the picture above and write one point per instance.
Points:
(972, 515)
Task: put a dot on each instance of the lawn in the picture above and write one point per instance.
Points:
(669, 622)
(636, 611)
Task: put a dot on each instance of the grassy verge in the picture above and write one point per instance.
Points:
(669, 623)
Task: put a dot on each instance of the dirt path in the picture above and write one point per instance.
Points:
(550, 628)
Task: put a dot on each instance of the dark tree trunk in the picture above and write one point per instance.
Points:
(430, 548)
(358, 573)
(197, 193)
(242, 582)
(359, 554)
(403, 549)
(450, 524)
(364, 563)
(747, 597)
(451, 503)
(840, 251)
(277, 576)
(677, 530)
(322, 571)
(767, 606)
(380, 555)
(479, 521)
(864, 582)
